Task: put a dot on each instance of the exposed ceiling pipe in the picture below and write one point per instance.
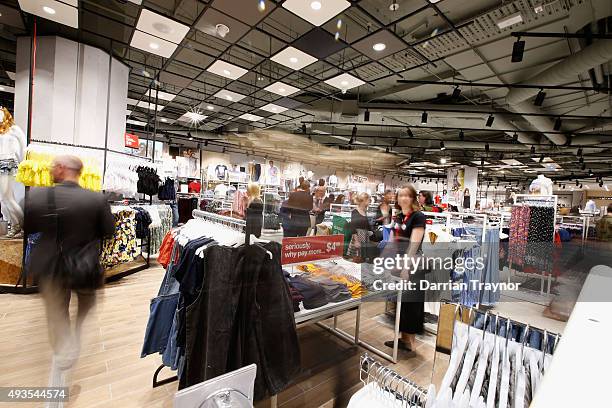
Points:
(600, 52)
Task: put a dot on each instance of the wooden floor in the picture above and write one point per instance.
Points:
(110, 372)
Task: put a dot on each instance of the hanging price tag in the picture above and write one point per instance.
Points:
(305, 249)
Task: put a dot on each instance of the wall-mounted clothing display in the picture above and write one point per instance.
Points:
(34, 171)
(194, 186)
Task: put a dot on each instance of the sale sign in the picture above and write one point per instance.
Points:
(305, 249)
(131, 141)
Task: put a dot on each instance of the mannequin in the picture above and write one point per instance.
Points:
(12, 148)
(541, 185)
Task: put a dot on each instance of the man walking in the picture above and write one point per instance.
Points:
(71, 220)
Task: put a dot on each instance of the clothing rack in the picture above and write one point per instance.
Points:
(240, 225)
(549, 201)
(390, 383)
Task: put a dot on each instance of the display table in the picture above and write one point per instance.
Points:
(578, 375)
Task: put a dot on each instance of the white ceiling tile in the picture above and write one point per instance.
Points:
(344, 82)
(227, 70)
(135, 122)
(273, 108)
(281, 88)
(149, 105)
(160, 95)
(8, 89)
(152, 44)
(192, 117)
(250, 117)
(293, 58)
(57, 11)
(229, 95)
(162, 27)
(132, 101)
(316, 12)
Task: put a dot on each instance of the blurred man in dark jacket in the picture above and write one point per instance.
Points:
(75, 217)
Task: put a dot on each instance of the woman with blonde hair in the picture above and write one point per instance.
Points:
(408, 233)
(254, 209)
(359, 228)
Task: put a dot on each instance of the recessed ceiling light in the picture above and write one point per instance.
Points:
(48, 10)
(315, 5)
(227, 70)
(273, 108)
(443, 161)
(344, 82)
(210, 107)
(229, 96)
(250, 117)
(282, 89)
(293, 58)
(154, 46)
(510, 21)
(314, 11)
(164, 120)
(2, 88)
(379, 47)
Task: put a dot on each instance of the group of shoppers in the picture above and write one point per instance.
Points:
(296, 211)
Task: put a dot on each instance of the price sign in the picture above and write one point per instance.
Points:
(132, 141)
(305, 249)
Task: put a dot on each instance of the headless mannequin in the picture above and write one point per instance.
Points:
(12, 147)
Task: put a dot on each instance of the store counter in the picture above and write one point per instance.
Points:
(580, 370)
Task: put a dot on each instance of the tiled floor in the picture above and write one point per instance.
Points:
(110, 372)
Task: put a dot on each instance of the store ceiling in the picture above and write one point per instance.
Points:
(295, 57)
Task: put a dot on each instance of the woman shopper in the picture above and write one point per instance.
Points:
(360, 228)
(299, 206)
(384, 211)
(408, 233)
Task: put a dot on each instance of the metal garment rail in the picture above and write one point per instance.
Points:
(540, 201)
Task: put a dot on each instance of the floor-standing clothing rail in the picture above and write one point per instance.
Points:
(532, 234)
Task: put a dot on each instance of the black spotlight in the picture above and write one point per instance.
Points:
(206, 143)
(564, 186)
(456, 93)
(490, 120)
(577, 182)
(580, 151)
(517, 50)
(395, 142)
(461, 135)
(583, 167)
(354, 131)
(388, 149)
(557, 124)
(487, 147)
(590, 173)
(532, 150)
(481, 162)
(539, 99)
(581, 160)
(409, 132)
(442, 146)
(366, 116)
(515, 137)
(541, 158)
(601, 184)
(303, 128)
(580, 185)
(424, 118)
(224, 150)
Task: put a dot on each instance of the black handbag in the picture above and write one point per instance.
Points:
(77, 268)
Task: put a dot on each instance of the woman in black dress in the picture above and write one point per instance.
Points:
(409, 230)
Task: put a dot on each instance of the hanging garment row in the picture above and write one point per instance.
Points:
(495, 362)
(223, 305)
(532, 229)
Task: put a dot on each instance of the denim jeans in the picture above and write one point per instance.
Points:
(161, 317)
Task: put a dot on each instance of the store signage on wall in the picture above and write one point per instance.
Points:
(305, 249)
(131, 141)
